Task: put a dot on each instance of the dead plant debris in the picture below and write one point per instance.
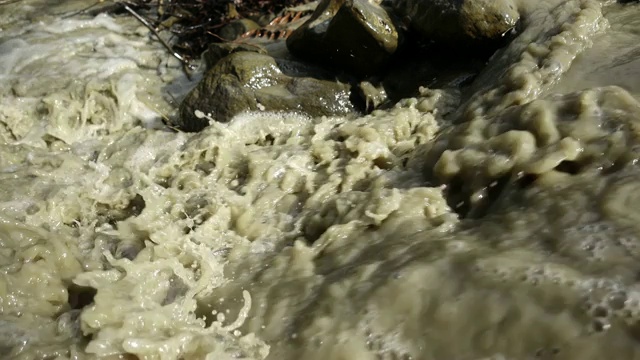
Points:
(192, 24)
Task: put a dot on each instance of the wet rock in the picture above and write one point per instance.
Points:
(452, 21)
(217, 51)
(358, 36)
(248, 81)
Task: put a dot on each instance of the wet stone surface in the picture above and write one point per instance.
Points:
(343, 33)
(248, 81)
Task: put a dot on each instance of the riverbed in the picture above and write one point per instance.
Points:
(497, 222)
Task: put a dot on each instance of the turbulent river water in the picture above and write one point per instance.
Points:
(500, 222)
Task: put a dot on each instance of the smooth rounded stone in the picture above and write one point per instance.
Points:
(248, 81)
(358, 36)
(459, 20)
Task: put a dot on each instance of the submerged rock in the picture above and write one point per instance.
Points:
(459, 20)
(249, 81)
(355, 35)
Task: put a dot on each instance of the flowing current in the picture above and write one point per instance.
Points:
(501, 222)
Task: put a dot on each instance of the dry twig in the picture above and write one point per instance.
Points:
(151, 28)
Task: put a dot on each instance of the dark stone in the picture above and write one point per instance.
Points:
(357, 36)
(463, 21)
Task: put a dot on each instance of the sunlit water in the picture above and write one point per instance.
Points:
(512, 234)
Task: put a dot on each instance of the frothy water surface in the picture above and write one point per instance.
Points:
(510, 230)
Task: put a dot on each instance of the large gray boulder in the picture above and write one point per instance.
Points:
(464, 21)
(357, 36)
(249, 81)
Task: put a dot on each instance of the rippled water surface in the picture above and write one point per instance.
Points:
(497, 222)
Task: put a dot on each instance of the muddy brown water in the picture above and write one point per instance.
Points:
(502, 223)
